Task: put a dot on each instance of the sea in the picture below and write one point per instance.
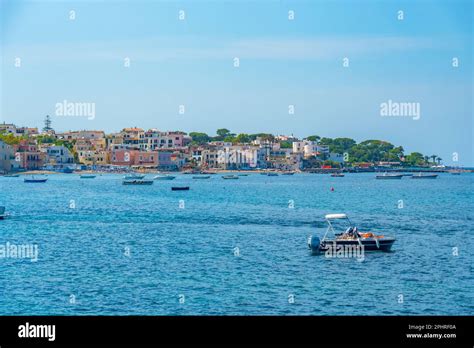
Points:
(234, 247)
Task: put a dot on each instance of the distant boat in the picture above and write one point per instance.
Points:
(137, 182)
(134, 176)
(88, 176)
(424, 176)
(33, 179)
(389, 176)
(3, 215)
(337, 175)
(227, 177)
(201, 177)
(408, 174)
(164, 177)
(180, 188)
(11, 175)
(243, 174)
(272, 174)
(288, 173)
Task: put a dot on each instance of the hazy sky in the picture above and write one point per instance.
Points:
(283, 62)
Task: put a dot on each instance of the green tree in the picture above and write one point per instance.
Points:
(242, 138)
(313, 138)
(199, 138)
(286, 144)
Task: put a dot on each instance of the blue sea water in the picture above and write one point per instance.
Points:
(188, 253)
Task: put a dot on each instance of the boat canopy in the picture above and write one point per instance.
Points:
(335, 216)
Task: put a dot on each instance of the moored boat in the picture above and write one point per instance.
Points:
(288, 173)
(3, 215)
(424, 176)
(337, 175)
(388, 176)
(180, 188)
(87, 176)
(137, 182)
(231, 177)
(11, 175)
(164, 177)
(272, 174)
(201, 177)
(34, 179)
(134, 176)
(350, 238)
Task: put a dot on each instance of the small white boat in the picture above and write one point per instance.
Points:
(164, 177)
(88, 176)
(230, 177)
(34, 179)
(134, 176)
(3, 215)
(388, 176)
(424, 176)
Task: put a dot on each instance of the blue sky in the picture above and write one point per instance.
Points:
(282, 63)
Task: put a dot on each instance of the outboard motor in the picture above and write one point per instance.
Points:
(314, 244)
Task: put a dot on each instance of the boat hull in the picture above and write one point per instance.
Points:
(434, 176)
(185, 188)
(389, 177)
(35, 180)
(369, 244)
(137, 182)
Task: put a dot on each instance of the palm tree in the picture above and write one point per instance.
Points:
(433, 157)
(427, 159)
(439, 159)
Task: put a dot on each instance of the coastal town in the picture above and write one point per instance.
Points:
(25, 149)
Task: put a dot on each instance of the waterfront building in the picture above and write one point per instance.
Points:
(238, 157)
(6, 157)
(28, 156)
(336, 157)
(58, 155)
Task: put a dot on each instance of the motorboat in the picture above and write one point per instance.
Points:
(34, 179)
(134, 176)
(389, 176)
(3, 215)
(11, 175)
(424, 176)
(272, 174)
(288, 173)
(137, 182)
(231, 177)
(337, 175)
(180, 188)
(201, 177)
(350, 237)
(87, 176)
(164, 177)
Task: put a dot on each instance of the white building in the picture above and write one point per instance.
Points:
(238, 157)
(59, 155)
